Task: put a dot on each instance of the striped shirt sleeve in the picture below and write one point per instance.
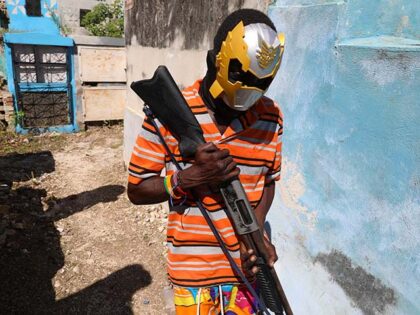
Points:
(274, 173)
(148, 155)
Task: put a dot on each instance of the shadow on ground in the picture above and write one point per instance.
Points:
(30, 252)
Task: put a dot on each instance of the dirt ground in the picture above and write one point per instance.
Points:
(70, 240)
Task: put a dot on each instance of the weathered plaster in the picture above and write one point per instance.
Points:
(292, 189)
(181, 24)
(381, 17)
(186, 66)
(307, 283)
(389, 68)
(348, 88)
(375, 296)
(184, 24)
(346, 216)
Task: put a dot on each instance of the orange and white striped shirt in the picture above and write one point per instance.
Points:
(254, 141)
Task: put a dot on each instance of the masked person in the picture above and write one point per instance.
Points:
(243, 132)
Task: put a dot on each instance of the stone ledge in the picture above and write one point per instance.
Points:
(98, 40)
(389, 43)
(303, 4)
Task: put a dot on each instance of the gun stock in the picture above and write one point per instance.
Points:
(168, 105)
(165, 100)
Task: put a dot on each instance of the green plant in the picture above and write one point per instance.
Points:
(18, 117)
(105, 20)
(2, 32)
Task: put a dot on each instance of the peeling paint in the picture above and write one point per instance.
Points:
(351, 154)
(368, 292)
(292, 187)
(308, 285)
(404, 23)
(387, 68)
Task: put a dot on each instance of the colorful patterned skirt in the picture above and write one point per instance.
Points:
(236, 300)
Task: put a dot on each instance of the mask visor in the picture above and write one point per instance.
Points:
(245, 98)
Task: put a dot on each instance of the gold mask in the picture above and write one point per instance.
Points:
(259, 50)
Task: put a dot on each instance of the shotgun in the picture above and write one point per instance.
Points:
(164, 101)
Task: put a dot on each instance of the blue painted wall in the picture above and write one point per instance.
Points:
(21, 22)
(42, 30)
(381, 17)
(346, 218)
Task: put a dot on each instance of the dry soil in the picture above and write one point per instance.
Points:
(70, 240)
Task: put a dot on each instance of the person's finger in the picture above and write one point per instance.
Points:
(234, 173)
(272, 254)
(228, 159)
(249, 263)
(230, 167)
(221, 166)
(242, 248)
(255, 270)
(246, 254)
(275, 258)
(207, 147)
(221, 154)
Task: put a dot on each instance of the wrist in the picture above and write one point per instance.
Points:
(171, 186)
(187, 179)
(260, 219)
(177, 184)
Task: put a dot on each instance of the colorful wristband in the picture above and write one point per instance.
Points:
(170, 188)
(177, 183)
(165, 183)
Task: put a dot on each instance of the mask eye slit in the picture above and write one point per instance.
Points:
(247, 78)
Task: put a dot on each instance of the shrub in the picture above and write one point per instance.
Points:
(105, 20)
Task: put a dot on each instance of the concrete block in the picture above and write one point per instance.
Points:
(104, 103)
(102, 64)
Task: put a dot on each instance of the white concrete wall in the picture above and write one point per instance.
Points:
(186, 66)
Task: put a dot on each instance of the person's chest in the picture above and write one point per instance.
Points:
(250, 141)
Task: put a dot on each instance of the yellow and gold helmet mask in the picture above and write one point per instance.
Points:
(246, 64)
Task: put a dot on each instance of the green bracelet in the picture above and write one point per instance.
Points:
(166, 185)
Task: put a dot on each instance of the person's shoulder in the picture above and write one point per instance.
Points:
(193, 87)
(193, 98)
(267, 106)
(191, 91)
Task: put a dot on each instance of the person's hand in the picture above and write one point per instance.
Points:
(249, 258)
(212, 166)
(271, 251)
